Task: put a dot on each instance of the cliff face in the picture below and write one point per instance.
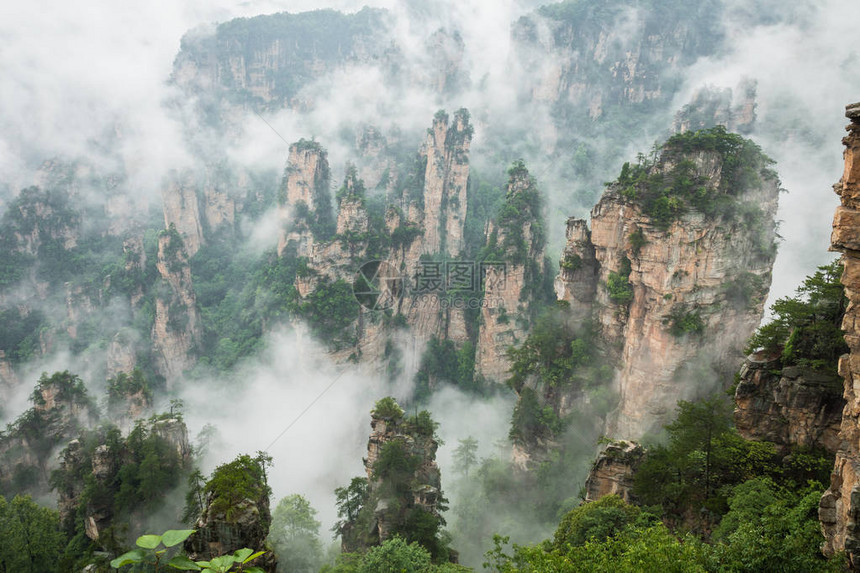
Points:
(236, 513)
(60, 410)
(304, 203)
(736, 109)
(510, 285)
(105, 459)
(268, 59)
(675, 297)
(424, 214)
(403, 485)
(839, 511)
(445, 183)
(425, 483)
(181, 209)
(569, 47)
(176, 330)
(613, 471)
(788, 406)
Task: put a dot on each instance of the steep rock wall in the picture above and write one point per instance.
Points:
(304, 198)
(789, 406)
(674, 300)
(445, 183)
(839, 511)
(510, 284)
(176, 330)
(613, 471)
(182, 210)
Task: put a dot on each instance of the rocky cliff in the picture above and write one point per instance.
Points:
(792, 406)
(103, 461)
(446, 179)
(61, 408)
(176, 330)
(839, 511)
(236, 513)
(413, 222)
(403, 486)
(675, 270)
(512, 275)
(613, 471)
(425, 484)
(571, 47)
(304, 201)
(266, 60)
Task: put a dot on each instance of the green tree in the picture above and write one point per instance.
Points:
(31, 540)
(396, 556)
(294, 536)
(697, 427)
(466, 455)
(232, 483)
(806, 328)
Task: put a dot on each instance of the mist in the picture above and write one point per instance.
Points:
(92, 84)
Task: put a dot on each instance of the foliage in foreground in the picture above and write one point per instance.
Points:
(154, 551)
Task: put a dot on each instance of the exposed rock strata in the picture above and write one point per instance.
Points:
(839, 511)
(614, 470)
(176, 330)
(182, 210)
(304, 195)
(445, 183)
(692, 267)
(425, 491)
(789, 407)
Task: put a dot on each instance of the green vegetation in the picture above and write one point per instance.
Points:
(239, 294)
(123, 385)
(554, 353)
(395, 555)
(134, 476)
(806, 328)
(153, 551)
(683, 322)
(28, 444)
(399, 481)
(388, 409)
(571, 262)
(532, 421)
(294, 536)
(232, 483)
(618, 284)
(32, 540)
(311, 38)
(444, 363)
(554, 357)
(19, 338)
(745, 290)
(667, 188)
(318, 217)
(521, 210)
(711, 502)
(637, 241)
(705, 458)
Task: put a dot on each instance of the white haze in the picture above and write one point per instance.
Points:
(805, 77)
(313, 417)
